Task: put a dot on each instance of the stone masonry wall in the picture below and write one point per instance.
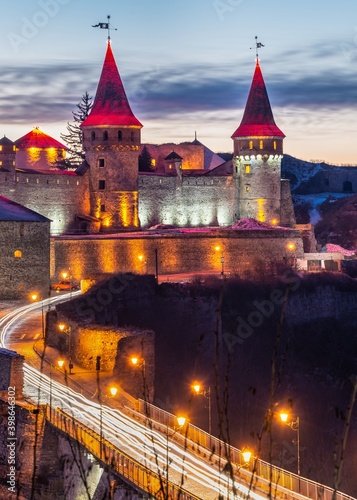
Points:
(20, 276)
(59, 196)
(187, 201)
(177, 253)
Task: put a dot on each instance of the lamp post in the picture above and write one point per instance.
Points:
(140, 363)
(206, 393)
(181, 422)
(295, 426)
(218, 249)
(291, 247)
(67, 330)
(35, 297)
(143, 261)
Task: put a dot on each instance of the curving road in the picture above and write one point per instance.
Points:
(153, 449)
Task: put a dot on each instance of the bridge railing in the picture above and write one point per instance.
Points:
(133, 471)
(276, 475)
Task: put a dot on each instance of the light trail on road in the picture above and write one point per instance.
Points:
(151, 448)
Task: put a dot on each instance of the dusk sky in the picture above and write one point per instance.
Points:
(187, 66)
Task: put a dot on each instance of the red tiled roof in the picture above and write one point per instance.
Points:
(258, 119)
(111, 106)
(38, 139)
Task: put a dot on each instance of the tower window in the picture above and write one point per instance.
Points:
(132, 136)
(102, 208)
(250, 144)
(17, 254)
(247, 169)
(105, 135)
(101, 185)
(247, 188)
(274, 144)
(93, 136)
(261, 144)
(120, 135)
(101, 162)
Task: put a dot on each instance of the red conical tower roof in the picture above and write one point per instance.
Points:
(111, 106)
(38, 139)
(258, 117)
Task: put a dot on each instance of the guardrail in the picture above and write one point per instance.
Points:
(300, 486)
(138, 475)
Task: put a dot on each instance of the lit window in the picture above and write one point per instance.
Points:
(105, 135)
(274, 144)
(102, 208)
(17, 254)
(250, 144)
(101, 185)
(0, 148)
(153, 162)
(93, 136)
(261, 144)
(101, 162)
(247, 169)
(247, 188)
(120, 135)
(14, 148)
(0, 162)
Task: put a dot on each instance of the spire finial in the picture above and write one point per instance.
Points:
(195, 135)
(258, 45)
(104, 26)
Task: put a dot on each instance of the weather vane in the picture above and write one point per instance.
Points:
(104, 26)
(258, 45)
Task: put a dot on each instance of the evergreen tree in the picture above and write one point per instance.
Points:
(145, 160)
(73, 139)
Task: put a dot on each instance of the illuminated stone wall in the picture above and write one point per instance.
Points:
(60, 196)
(28, 271)
(186, 202)
(191, 251)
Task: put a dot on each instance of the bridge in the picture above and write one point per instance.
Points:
(144, 446)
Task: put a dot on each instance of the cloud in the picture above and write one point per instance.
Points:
(49, 93)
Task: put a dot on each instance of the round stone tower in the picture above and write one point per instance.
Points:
(111, 141)
(258, 150)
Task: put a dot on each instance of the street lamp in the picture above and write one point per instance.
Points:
(206, 393)
(295, 426)
(292, 247)
(143, 261)
(113, 391)
(35, 297)
(181, 420)
(218, 249)
(60, 363)
(67, 330)
(247, 455)
(140, 363)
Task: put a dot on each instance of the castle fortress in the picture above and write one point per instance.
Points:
(107, 195)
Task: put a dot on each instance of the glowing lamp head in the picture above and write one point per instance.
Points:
(64, 275)
(274, 222)
(61, 327)
(60, 363)
(181, 421)
(134, 360)
(141, 258)
(284, 416)
(247, 455)
(113, 391)
(196, 388)
(34, 296)
(217, 248)
(291, 246)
